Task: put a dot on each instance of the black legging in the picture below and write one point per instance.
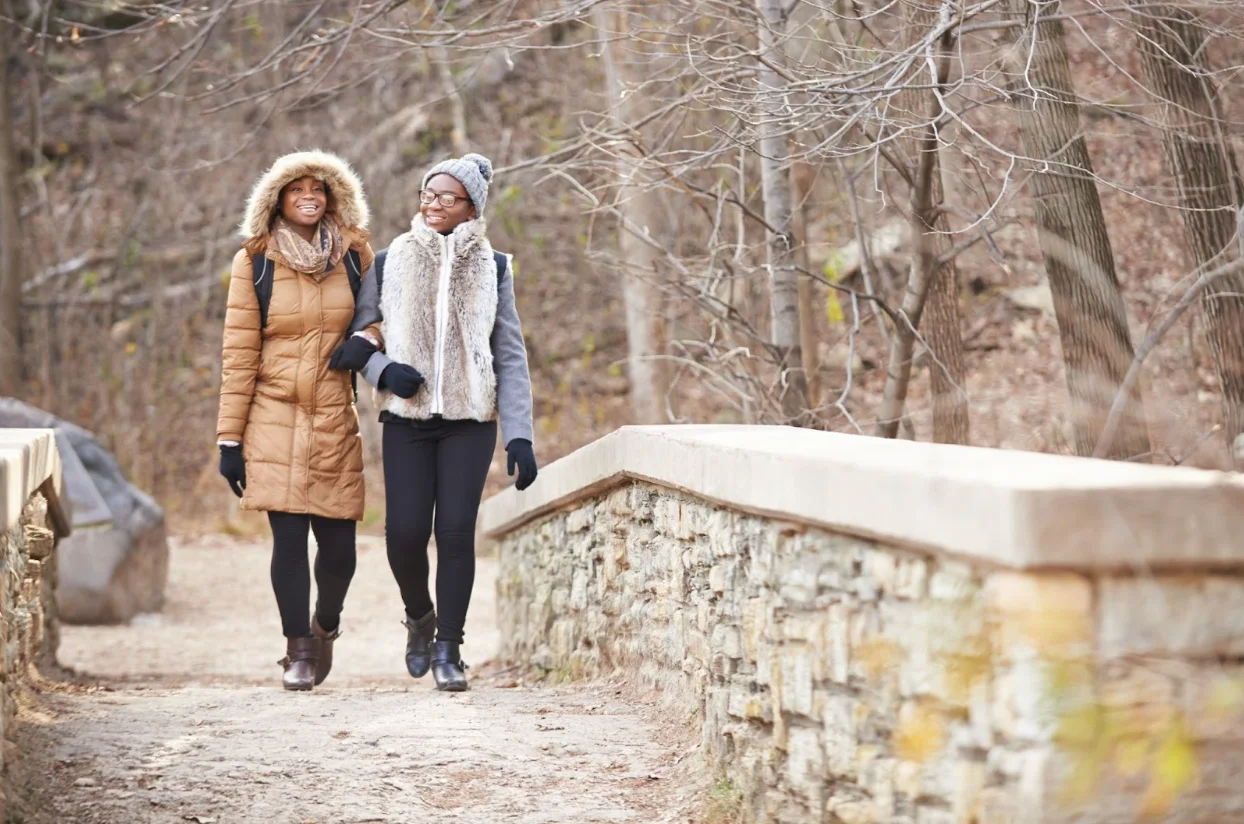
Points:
(291, 577)
(435, 465)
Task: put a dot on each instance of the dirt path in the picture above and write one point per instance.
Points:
(189, 723)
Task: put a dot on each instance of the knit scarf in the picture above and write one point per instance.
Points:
(301, 256)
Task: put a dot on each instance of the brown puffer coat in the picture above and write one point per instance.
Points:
(294, 417)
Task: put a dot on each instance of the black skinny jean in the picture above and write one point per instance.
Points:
(291, 575)
(434, 474)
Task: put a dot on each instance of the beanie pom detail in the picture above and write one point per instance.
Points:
(484, 164)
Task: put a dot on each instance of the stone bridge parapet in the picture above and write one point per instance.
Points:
(869, 630)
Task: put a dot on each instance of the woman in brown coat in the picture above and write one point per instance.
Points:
(288, 431)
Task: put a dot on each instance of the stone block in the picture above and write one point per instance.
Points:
(881, 568)
(928, 814)
(911, 578)
(746, 701)
(853, 811)
(805, 762)
(618, 504)
(969, 782)
(580, 520)
(909, 779)
(796, 679)
(798, 587)
(728, 639)
(952, 581)
(1049, 612)
(840, 736)
(1196, 616)
(838, 638)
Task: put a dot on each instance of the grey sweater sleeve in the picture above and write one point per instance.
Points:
(367, 312)
(375, 367)
(509, 359)
(367, 304)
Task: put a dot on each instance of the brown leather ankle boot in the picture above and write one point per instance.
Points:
(301, 655)
(324, 664)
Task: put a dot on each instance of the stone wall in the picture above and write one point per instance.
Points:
(34, 514)
(29, 630)
(838, 679)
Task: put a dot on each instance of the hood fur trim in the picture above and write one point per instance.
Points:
(345, 185)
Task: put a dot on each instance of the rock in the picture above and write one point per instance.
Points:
(1037, 298)
(115, 563)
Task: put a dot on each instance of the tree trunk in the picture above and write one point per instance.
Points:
(803, 179)
(1092, 320)
(944, 335)
(1197, 150)
(10, 233)
(931, 303)
(449, 87)
(923, 269)
(638, 212)
(775, 176)
(940, 323)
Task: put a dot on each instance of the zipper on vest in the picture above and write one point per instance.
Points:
(442, 318)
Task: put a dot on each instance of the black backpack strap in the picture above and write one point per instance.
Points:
(378, 267)
(354, 271)
(502, 262)
(262, 273)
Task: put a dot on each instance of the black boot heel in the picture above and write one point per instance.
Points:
(447, 667)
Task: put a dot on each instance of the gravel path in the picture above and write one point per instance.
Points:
(187, 722)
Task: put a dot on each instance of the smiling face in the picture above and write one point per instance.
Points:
(435, 214)
(304, 201)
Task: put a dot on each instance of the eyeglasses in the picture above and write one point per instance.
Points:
(427, 197)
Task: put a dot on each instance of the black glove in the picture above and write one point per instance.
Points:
(400, 379)
(521, 453)
(233, 467)
(353, 354)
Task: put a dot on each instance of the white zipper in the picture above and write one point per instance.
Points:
(442, 316)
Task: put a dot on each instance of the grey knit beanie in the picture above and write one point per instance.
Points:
(473, 171)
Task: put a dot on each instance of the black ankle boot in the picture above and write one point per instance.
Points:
(419, 635)
(447, 667)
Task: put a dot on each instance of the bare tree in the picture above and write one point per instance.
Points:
(930, 230)
(1198, 151)
(449, 87)
(10, 227)
(925, 270)
(638, 213)
(1079, 261)
(775, 167)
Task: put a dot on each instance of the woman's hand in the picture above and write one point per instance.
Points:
(521, 454)
(353, 354)
(400, 379)
(233, 467)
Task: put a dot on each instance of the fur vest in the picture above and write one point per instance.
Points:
(439, 303)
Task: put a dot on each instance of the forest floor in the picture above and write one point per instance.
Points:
(180, 717)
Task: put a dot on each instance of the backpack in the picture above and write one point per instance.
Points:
(498, 258)
(261, 268)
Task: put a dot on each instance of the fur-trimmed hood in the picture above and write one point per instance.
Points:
(345, 185)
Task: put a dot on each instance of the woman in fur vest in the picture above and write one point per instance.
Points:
(288, 431)
(454, 362)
